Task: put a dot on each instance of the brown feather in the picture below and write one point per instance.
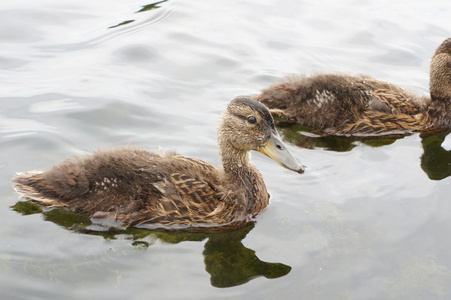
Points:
(360, 105)
(165, 192)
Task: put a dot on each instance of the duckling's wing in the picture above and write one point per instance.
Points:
(373, 123)
(195, 192)
(184, 201)
(398, 102)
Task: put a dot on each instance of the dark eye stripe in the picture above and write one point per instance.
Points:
(260, 108)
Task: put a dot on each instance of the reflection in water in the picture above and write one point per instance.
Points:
(435, 161)
(122, 23)
(151, 6)
(230, 263)
(144, 8)
(305, 137)
(226, 259)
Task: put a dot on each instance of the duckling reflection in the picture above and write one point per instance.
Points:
(230, 263)
(305, 137)
(436, 161)
(227, 260)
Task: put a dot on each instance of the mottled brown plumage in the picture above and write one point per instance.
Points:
(362, 106)
(169, 192)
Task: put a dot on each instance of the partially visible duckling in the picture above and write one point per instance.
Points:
(171, 191)
(362, 106)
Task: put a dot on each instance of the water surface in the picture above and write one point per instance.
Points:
(368, 219)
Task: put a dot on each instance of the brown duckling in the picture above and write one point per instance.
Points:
(137, 188)
(363, 106)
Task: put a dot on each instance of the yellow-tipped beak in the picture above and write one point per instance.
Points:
(277, 151)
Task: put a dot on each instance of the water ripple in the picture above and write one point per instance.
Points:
(17, 127)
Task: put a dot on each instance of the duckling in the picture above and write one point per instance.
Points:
(362, 106)
(137, 188)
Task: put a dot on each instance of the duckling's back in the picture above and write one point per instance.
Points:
(340, 104)
(132, 187)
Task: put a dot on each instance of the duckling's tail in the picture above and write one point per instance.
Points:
(30, 185)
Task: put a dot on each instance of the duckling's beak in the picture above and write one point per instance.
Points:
(276, 150)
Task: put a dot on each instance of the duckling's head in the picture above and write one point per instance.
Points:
(440, 74)
(248, 125)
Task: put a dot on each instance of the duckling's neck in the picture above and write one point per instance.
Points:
(241, 175)
(440, 89)
(233, 159)
(439, 112)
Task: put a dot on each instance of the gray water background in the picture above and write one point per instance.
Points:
(363, 222)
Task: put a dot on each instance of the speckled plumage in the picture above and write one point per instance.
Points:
(362, 106)
(165, 191)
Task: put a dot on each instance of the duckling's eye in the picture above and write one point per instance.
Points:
(251, 119)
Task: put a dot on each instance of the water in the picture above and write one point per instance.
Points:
(368, 220)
